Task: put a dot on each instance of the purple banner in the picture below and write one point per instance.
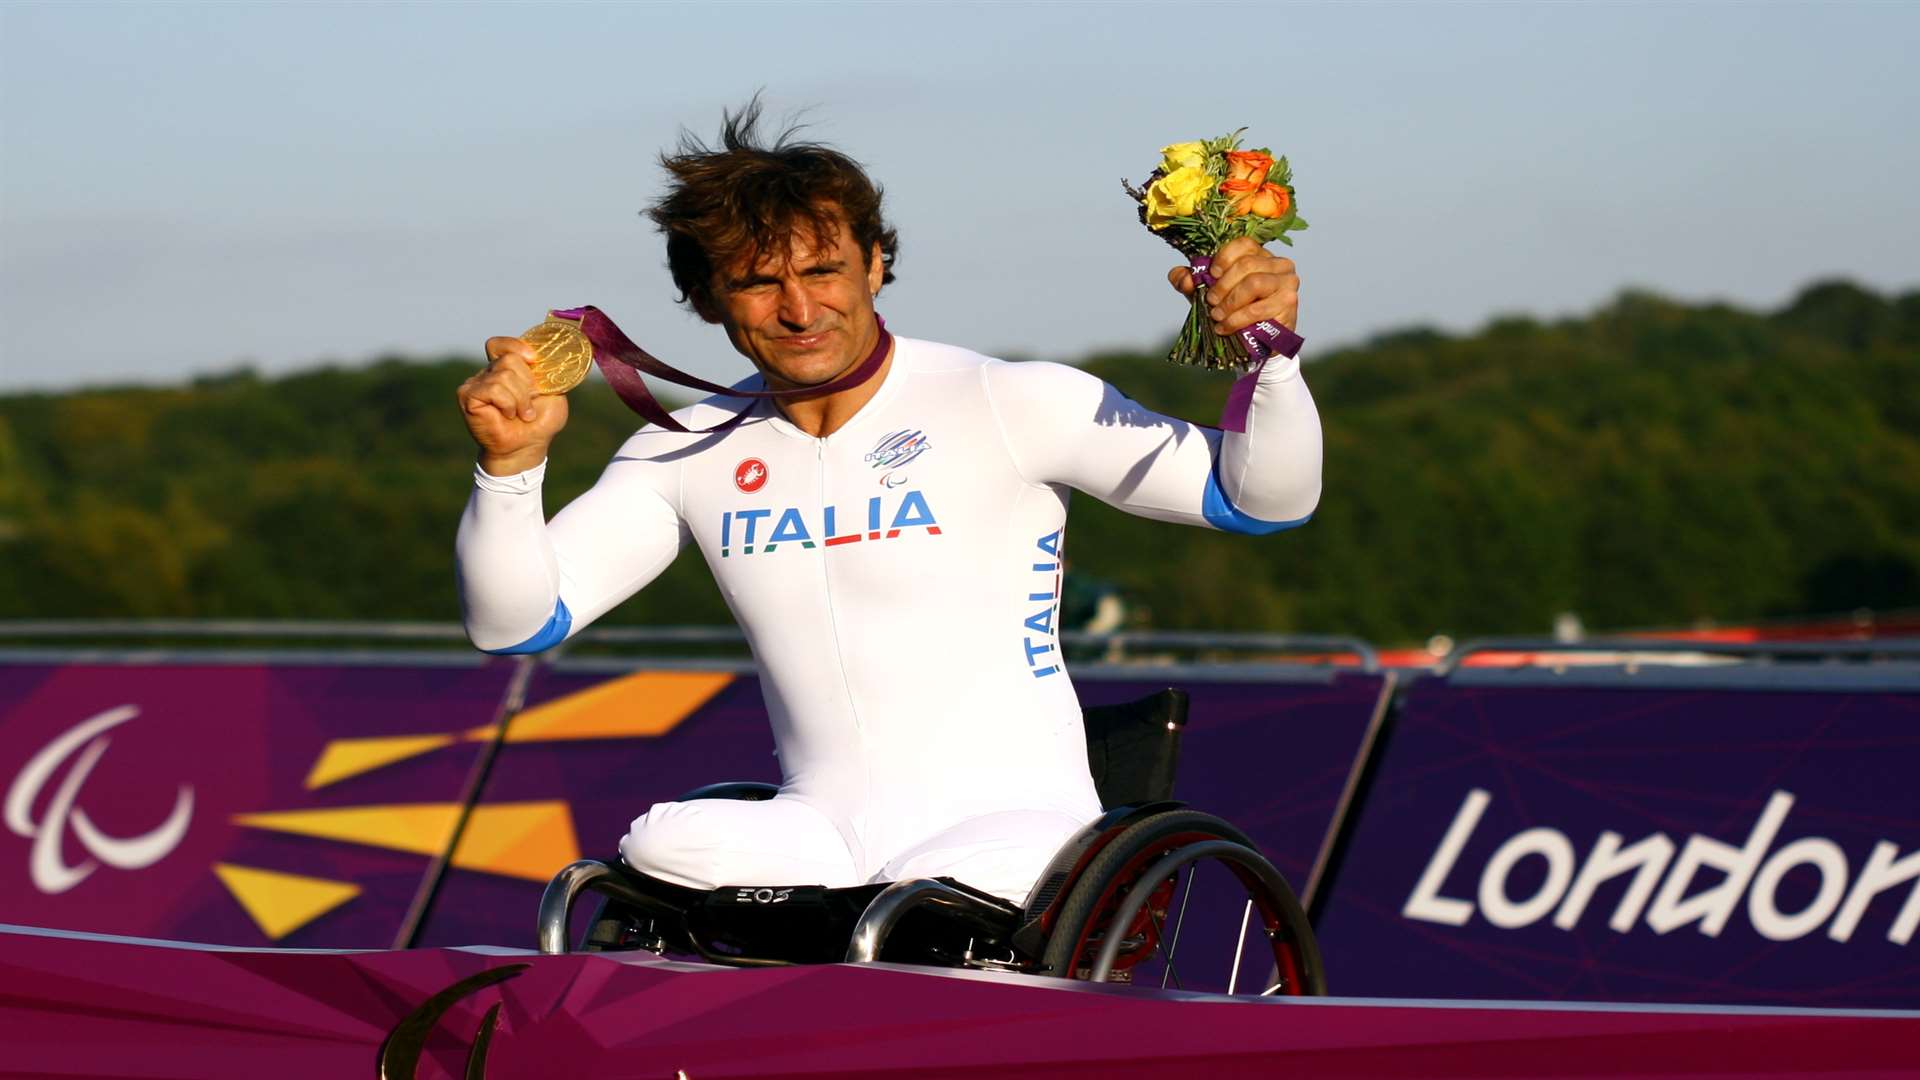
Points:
(237, 804)
(1271, 757)
(1592, 843)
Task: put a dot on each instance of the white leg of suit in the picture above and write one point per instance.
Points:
(1003, 853)
(713, 842)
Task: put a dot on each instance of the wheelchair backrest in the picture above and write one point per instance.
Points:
(1133, 749)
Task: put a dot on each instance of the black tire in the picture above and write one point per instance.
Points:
(1102, 887)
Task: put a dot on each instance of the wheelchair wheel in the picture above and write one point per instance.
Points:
(1166, 847)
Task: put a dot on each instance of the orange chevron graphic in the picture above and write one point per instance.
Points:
(281, 903)
(523, 840)
(530, 840)
(645, 704)
(642, 705)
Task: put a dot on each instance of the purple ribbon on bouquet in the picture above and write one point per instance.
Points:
(1259, 341)
(621, 361)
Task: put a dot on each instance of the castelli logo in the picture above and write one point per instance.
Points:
(750, 475)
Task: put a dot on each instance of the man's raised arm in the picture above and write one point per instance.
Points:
(1065, 426)
(527, 584)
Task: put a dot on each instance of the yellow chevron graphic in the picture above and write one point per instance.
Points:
(642, 705)
(530, 840)
(351, 757)
(281, 903)
(422, 828)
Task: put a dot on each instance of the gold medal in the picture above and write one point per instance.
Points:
(561, 355)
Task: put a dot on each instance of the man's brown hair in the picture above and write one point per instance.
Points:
(747, 198)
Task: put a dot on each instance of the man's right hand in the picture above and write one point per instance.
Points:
(513, 425)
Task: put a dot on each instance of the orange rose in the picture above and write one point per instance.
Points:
(1250, 165)
(1261, 200)
(1271, 201)
(1237, 192)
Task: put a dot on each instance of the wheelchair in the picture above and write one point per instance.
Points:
(1100, 912)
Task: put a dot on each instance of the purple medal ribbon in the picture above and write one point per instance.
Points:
(1260, 341)
(621, 361)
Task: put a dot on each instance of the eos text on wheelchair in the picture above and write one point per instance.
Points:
(1099, 912)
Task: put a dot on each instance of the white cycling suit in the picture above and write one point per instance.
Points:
(899, 584)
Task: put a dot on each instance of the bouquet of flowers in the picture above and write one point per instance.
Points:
(1204, 194)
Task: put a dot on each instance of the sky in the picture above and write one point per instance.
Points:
(189, 188)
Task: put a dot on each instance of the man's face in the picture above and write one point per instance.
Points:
(804, 315)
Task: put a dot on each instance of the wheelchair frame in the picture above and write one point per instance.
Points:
(1096, 912)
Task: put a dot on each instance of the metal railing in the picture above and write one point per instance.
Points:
(1123, 647)
(1632, 651)
(218, 628)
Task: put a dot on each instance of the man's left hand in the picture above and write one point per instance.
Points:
(1250, 284)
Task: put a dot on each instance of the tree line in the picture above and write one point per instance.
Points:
(1652, 463)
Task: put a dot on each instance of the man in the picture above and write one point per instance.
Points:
(892, 549)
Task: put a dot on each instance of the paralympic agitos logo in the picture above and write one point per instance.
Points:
(80, 750)
(401, 1050)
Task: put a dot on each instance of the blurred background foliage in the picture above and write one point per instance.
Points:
(1653, 463)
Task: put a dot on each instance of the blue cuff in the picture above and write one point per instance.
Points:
(1223, 515)
(546, 637)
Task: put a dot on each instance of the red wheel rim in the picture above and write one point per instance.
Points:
(1286, 956)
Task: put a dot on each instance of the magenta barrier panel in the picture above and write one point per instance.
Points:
(232, 803)
(1710, 843)
(113, 1008)
(1271, 756)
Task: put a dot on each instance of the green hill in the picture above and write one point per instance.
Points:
(1653, 463)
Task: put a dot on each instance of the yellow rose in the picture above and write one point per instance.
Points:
(1176, 194)
(1183, 155)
